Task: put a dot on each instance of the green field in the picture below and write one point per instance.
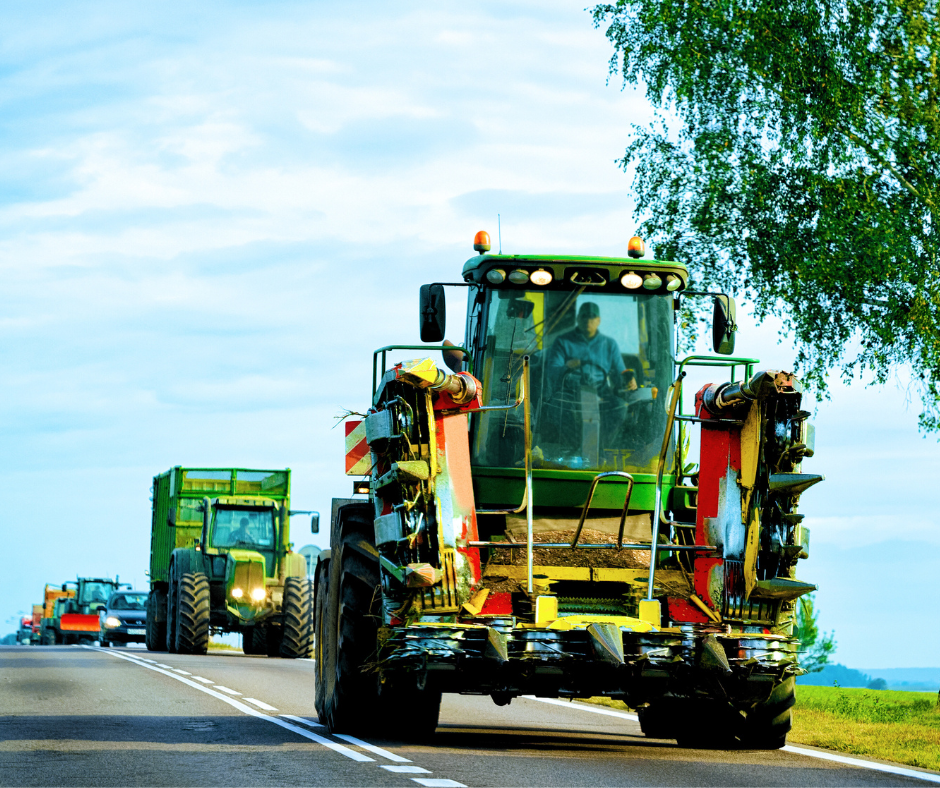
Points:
(893, 726)
(903, 727)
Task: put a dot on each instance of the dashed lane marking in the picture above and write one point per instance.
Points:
(259, 703)
(161, 665)
(204, 681)
(399, 769)
(371, 748)
(932, 777)
(181, 672)
(220, 688)
(311, 723)
(342, 749)
(434, 782)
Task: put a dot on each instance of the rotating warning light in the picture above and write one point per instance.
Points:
(541, 277)
(481, 242)
(631, 280)
(495, 275)
(519, 277)
(635, 247)
(652, 282)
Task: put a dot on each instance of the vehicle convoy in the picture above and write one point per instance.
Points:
(221, 560)
(124, 618)
(507, 544)
(71, 610)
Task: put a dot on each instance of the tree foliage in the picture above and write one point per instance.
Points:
(815, 647)
(795, 160)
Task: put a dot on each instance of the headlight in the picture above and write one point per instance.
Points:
(237, 593)
(111, 622)
(673, 282)
(631, 280)
(495, 275)
(652, 282)
(258, 594)
(519, 277)
(541, 277)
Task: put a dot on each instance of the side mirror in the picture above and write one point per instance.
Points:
(723, 325)
(433, 309)
(315, 523)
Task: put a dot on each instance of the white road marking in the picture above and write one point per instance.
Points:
(391, 767)
(434, 782)
(181, 672)
(878, 767)
(204, 681)
(161, 665)
(226, 689)
(342, 749)
(822, 755)
(372, 748)
(304, 721)
(259, 703)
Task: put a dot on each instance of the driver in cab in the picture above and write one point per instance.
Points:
(596, 356)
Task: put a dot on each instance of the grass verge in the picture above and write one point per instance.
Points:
(903, 727)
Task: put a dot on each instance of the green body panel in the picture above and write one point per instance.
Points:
(504, 487)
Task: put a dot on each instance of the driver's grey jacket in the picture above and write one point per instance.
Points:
(599, 357)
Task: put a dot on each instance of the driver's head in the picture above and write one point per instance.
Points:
(589, 318)
(243, 524)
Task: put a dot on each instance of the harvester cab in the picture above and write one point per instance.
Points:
(532, 525)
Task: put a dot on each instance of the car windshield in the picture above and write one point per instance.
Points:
(243, 527)
(600, 368)
(128, 602)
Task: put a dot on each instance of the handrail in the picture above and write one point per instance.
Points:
(587, 505)
(387, 348)
(658, 500)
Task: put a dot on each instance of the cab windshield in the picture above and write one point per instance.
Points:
(600, 368)
(96, 592)
(128, 602)
(243, 528)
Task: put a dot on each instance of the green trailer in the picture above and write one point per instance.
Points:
(221, 561)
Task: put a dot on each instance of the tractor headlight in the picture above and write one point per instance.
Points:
(541, 277)
(111, 622)
(495, 275)
(652, 282)
(519, 276)
(258, 594)
(673, 282)
(237, 593)
(631, 280)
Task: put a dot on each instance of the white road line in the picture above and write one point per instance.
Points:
(371, 748)
(181, 672)
(342, 749)
(259, 703)
(204, 681)
(878, 767)
(398, 769)
(304, 721)
(434, 782)
(226, 689)
(161, 665)
(822, 755)
(584, 707)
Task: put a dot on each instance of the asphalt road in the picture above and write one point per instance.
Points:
(79, 716)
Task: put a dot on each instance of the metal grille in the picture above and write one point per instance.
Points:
(442, 598)
(738, 609)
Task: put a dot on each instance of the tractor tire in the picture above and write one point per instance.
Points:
(156, 630)
(249, 644)
(273, 637)
(298, 618)
(767, 724)
(103, 643)
(323, 622)
(705, 725)
(408, 713)
(192, 620)
(347, 636)
(172, 612)
(657, 721)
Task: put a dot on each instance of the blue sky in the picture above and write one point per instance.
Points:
(210, 217)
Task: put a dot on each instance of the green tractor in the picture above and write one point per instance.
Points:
(221, 561)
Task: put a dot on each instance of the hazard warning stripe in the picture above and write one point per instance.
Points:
(358, 458)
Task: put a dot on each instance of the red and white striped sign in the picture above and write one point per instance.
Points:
(358, 458)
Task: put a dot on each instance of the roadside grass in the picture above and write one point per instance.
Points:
(215, 645)
(903, 727)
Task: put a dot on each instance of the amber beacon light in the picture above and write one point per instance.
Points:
(635, 247)
(481, 242)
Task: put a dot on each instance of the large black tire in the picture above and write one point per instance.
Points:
(297, 636)
(706, 725)
(347, 639)
(172, 611)
(192, 620)
(766, 726)
(323, 651)
(156, 630)
(657, 721)
(253, 641)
